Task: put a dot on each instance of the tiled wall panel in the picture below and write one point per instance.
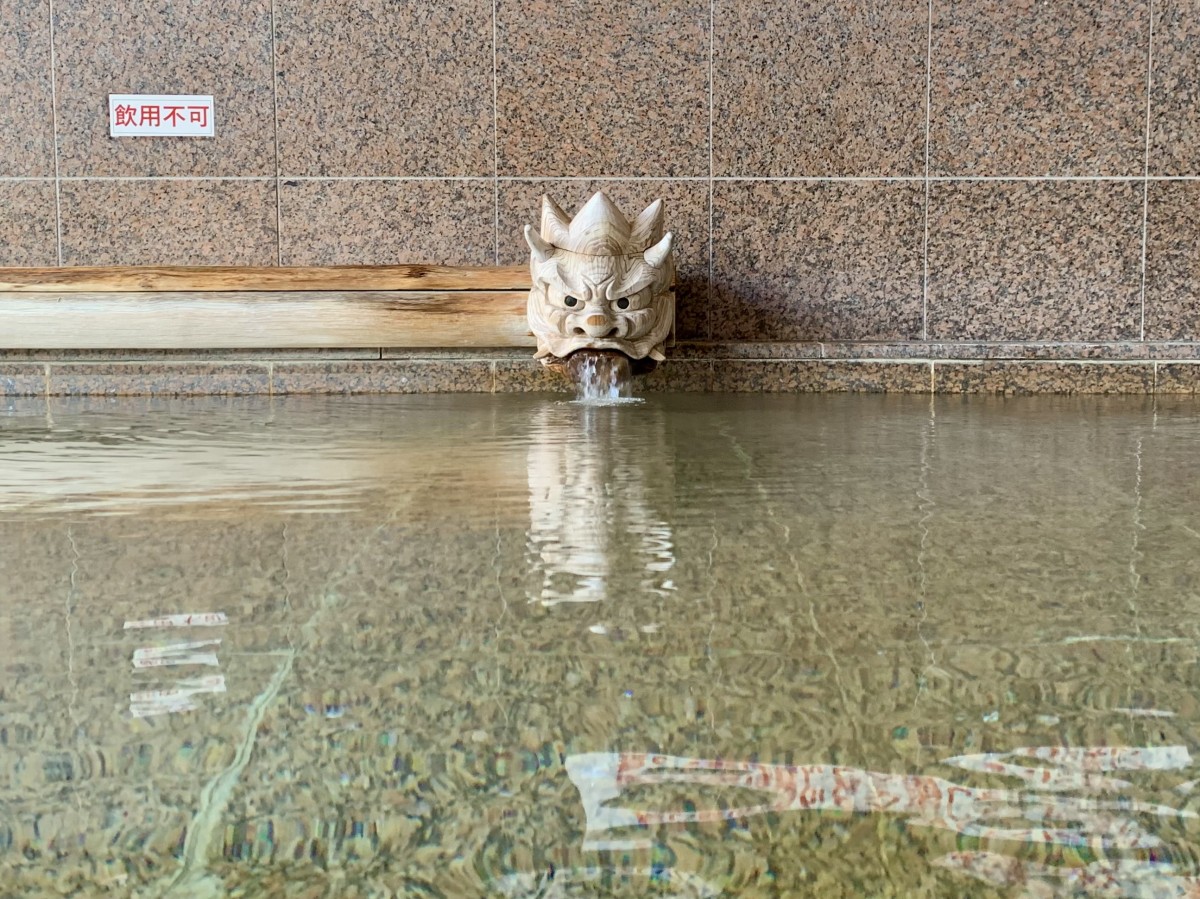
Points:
(815, 89)
(817, 260)
(26, 101)
(1035, 260)
(961, 179)
(164, 47)
(594, 88)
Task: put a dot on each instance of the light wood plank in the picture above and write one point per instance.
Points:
(224, 278)
(284, 319)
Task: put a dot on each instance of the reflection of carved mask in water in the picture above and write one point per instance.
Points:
(600, 281)
(597, 527)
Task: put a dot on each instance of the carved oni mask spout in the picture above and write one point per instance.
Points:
(601, 281)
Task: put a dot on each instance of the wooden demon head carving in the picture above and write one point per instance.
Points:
(600, 281)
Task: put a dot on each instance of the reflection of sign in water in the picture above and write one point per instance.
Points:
(180, 696)
(177, 699)
(187, 619)
(1047, 816)
(591, 516)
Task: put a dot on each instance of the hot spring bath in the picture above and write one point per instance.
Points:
(825, 645)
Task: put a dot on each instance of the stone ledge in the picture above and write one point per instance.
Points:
(176, 375)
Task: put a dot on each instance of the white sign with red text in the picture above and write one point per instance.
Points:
(154, 115)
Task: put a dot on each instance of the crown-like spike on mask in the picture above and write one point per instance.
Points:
(647, 227)
(598, 229)
(556, 226)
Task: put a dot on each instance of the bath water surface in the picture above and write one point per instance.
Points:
(517, 646)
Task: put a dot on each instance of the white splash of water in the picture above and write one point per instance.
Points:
(602, 379)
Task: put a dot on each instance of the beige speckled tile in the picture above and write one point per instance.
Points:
(158, 378)
(169, 223)
(1177, 377)
(686, 214)
(1172, 272)
(1038, 88)
(593, 88)
(26, 104)
(22, 379)
(1049, 261)
(677, 376)
(1175, 89)
(745, 350)
(530, 377)
(508, 353)
(383, 376)
(1167, 351)
(917, 349)
(27, 223)
(388, 89)
(1039, 377)
(387, 222)
(812, 88)
(165, 47)
(812, 261)
(817, 376)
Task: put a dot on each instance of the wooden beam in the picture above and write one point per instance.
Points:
(247, 320)
(130, 279)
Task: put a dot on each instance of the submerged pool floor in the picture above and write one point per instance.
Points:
(514, 646)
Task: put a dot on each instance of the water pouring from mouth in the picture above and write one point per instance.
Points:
(601, 377)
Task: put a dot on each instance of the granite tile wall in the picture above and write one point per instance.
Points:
(955, 179)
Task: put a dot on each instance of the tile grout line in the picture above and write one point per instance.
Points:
(54, 137)
(712, 40)
(1146, 168)
(495, 135)
(278, 167)
(928, 117)
(935, 179)
(167, 178)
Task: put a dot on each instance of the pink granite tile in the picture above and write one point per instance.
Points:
(158, 378)
(1029, 88)
(1175, 89)
(1049, 261)
(820, 376)
(1039, 377)
(809, 261)
(165, 47)
(383, 376)
(593, 88)
(813, 88)
(386, 222)
(686, 205)
(27, 223)
(22, 379)
(1173, 260)
(169, 223)
(26, 105)
(381, 88)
